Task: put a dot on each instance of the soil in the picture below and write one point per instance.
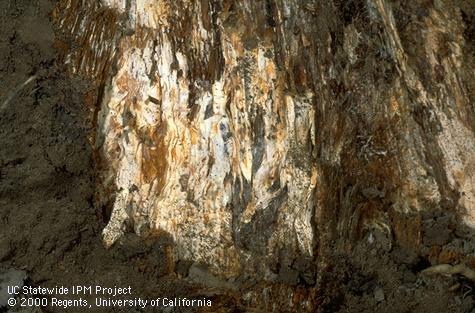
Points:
(50, 229)
(375, 280)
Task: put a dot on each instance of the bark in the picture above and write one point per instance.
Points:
(262, 137)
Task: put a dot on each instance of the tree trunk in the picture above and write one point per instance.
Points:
(265, 137)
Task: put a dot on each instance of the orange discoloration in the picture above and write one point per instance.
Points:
(154, 165)
(394, 105)
(270, 69)
(206, 218)
(174, 154)
(122, 82)
(193, 136)
(237, 43)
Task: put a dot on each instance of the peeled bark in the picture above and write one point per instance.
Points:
(262, 137)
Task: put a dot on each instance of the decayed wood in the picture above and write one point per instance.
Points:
(258, 133)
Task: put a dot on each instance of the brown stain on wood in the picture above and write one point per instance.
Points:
(155, 164)
(407, 229)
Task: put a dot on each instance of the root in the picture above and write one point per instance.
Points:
(447, 269)
(16, 91)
